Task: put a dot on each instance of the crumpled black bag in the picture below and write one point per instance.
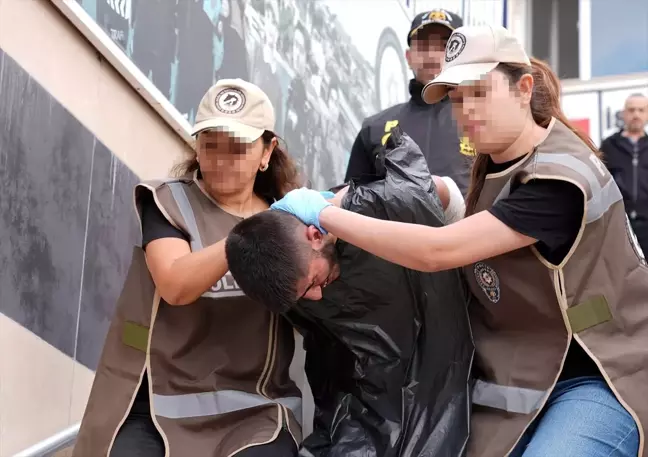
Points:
(389, 350)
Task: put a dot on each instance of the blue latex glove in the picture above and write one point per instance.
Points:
(326, 194)
(305, 204)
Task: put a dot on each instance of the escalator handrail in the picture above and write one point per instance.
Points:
(54, 443)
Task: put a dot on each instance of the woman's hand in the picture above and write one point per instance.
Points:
(305, 204)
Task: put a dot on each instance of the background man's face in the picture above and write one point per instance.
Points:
(635, 114)
(427, 51)
(323, 265)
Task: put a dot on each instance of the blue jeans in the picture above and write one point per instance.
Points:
(582, 418)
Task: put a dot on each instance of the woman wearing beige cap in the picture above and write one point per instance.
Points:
(562, 327)
(191, 366)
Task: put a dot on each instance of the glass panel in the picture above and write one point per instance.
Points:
(619, 37)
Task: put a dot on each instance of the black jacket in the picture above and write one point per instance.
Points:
(388, 349)
(432, 128)
(628, 163)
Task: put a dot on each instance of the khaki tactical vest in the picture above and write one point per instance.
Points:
(530, 309)
(217, 368)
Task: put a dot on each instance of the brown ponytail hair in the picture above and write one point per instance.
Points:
(281, 177)
(545, 104)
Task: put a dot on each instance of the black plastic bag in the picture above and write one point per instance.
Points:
(389, 350)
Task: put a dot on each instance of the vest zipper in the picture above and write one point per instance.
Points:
(635, 172)
(635, 179)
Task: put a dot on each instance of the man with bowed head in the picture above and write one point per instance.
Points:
(388, 349)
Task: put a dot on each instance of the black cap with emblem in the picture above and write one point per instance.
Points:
(438, 17)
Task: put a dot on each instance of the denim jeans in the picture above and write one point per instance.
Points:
(582, 418)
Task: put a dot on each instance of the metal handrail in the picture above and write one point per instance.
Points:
(54, 443)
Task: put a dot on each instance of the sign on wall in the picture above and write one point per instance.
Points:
(322, 72)
(325, 64)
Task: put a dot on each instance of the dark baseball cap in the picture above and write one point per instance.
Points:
(438, 16)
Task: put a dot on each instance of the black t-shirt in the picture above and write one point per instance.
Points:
(154, 227)
(154, 224)
(551, 211)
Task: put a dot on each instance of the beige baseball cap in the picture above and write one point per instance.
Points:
(471, 52)
(236, 106)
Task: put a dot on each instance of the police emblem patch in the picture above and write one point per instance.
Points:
(488, 281)
(455, 46)
(230, 101)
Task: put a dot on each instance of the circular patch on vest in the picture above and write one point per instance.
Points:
(488, 281)
(230, 101)
(455, 46)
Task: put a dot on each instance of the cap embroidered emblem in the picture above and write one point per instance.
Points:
(488, 281)
(230, 100)
(455, 46)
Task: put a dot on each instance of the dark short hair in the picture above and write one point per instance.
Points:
(266, 259)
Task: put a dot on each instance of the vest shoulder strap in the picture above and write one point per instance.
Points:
(170, 197)
(584, 170)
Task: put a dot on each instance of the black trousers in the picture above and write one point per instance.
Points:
(138, 437)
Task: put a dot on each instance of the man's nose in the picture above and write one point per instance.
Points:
(314, 293)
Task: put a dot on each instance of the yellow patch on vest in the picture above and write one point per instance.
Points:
(135, 336)
(588, 314)
(466, 148)
(389, 125)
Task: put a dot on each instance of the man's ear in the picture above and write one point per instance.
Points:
(408, 58)
(314, 237)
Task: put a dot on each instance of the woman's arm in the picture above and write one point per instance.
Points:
(180, 275)
(424, 248)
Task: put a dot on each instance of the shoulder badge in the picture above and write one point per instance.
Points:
(389, 125)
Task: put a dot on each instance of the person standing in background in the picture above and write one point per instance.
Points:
(297, 117)
(231, 26)
(265, 71)
(152, 46)
(626, 156)
(432, 127)
(195, 59)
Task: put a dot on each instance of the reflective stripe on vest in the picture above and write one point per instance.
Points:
(602, 197)
(180, 196)
(513, 399)
(215, 403)
(221, 289)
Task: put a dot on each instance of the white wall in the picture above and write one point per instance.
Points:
(43, 390)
